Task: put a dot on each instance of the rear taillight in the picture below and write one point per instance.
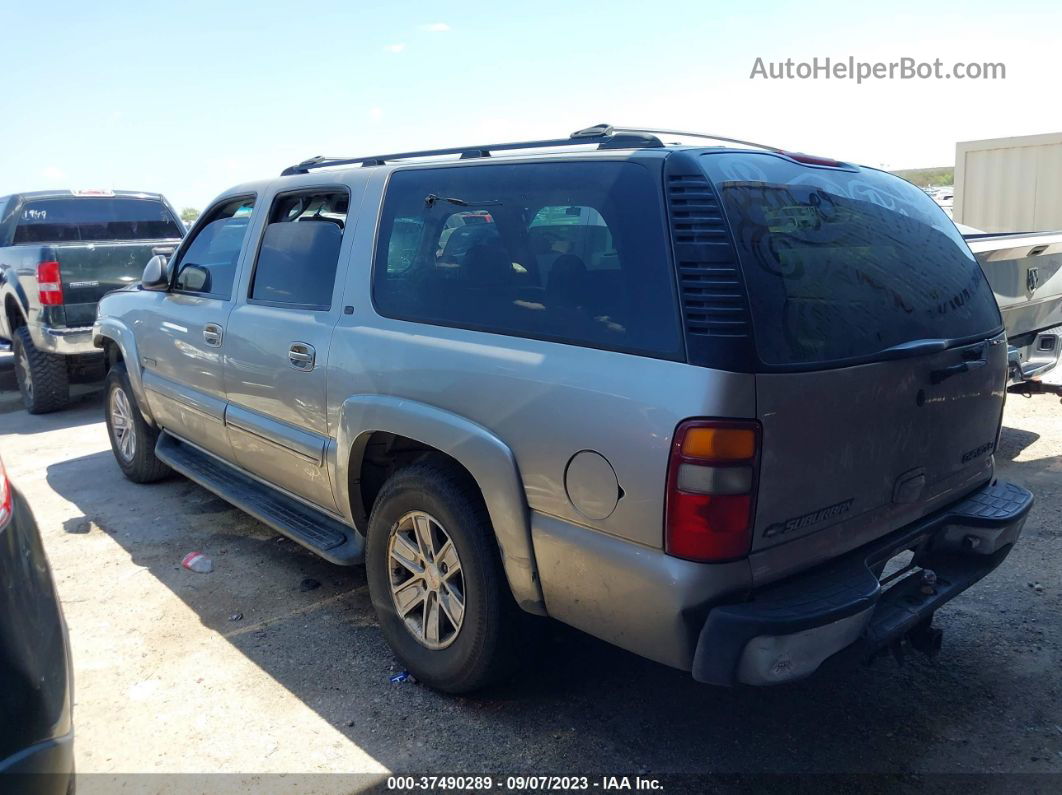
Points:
(711, 489)
(5, 496)
(50, 283)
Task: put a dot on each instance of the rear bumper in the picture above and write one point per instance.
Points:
(64, 341)
(1031, 358)
(787, 630)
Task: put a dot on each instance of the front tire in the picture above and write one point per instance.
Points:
(42, 377)
(132, 439)
(436, 579)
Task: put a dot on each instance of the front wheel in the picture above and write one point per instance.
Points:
(436, 580)
(132, 439)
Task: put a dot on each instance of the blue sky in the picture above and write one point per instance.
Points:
(189, 98)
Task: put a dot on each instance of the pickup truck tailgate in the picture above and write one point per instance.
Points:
(1025, 273)
(90, 270)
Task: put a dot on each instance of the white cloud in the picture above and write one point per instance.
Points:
(375, 113)
(435, 27)
(395, 48)
(53, 172)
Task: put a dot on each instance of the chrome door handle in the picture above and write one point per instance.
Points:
(301, 356)
(212, 334)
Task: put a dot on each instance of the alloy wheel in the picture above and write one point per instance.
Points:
(427, 580)
(122, 427)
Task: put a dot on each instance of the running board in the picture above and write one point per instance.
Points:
(314, 529)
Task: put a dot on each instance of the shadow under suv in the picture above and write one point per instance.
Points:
(730, 409)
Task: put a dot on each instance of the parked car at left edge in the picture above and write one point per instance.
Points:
(36, 692)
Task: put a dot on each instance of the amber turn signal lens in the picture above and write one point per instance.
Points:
(720, 444)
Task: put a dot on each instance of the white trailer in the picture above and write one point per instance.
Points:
(1009, 185)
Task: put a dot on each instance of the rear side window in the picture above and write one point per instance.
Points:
(300, 250)
(568, 252)
(842, 265)
(208, 263)
(95, 218)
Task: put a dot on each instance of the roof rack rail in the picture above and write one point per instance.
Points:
(648, 130)
(604, 135)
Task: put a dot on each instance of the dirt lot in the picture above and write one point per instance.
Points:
(170, 679)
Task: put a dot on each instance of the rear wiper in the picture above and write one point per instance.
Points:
(971, 358)
(431, 199)
(906, 350)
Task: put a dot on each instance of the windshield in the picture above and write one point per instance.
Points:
(96, 218)
(841, 265)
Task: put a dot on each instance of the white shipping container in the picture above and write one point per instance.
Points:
(1009, 184)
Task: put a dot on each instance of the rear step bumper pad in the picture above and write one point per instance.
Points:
(315, 530)
(786, 630)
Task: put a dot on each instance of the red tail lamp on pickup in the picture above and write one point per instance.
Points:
(49, 284)
(711, 489)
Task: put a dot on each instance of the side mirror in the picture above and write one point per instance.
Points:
(156, 274)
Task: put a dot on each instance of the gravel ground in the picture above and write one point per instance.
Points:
(243, 671)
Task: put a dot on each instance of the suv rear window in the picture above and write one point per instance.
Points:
(570, 252)
(841, 265)
(96, 218)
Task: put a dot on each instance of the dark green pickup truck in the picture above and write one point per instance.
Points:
(60, 252)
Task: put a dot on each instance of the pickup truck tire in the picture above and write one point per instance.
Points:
(42, 377)
(482, 649)
(132, 439)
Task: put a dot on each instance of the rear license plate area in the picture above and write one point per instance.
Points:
(898, 567)
(899, 564)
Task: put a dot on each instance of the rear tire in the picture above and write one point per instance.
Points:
(42, 377)
(132, 439)
(467, 575)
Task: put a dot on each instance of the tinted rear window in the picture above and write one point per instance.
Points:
(73, 220)
(842, 265)
(568, 252)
